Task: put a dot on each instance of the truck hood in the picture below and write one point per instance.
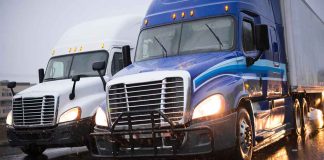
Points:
(60, 87)
(193, 63)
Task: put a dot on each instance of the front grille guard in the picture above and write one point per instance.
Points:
(113, 136)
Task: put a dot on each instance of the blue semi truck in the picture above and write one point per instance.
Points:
(214, 75)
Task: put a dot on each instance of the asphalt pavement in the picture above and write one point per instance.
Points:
(308, 147)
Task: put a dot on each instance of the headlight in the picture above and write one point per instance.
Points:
(70, 115)
(210, 106)
(101, 118)
(9, 118)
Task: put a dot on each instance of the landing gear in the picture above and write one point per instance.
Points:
(244, 134)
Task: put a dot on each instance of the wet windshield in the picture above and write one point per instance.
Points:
(208, 35)
(75, 64)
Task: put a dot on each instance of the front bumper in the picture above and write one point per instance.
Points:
(198, 139)
(69, 134)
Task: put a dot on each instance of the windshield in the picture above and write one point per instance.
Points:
(76, 64)
(208, 35)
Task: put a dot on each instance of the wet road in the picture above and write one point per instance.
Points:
(309, 147)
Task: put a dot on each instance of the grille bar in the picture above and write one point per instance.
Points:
(166, 95)
(34, 111)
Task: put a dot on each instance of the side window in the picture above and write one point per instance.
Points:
(117, 63)
(248, 36)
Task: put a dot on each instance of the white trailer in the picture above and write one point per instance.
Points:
(58, 111)
(304, 33)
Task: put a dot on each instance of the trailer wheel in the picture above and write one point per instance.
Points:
(305, 116)
(33, 150)
(297, 118)
(244, 135)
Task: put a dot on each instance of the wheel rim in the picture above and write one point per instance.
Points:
(245, 137)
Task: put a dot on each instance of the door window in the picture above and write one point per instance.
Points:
(248, 36)
(117, 63)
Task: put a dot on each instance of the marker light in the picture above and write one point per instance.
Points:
(145, 21)
(226, 8)
(102, 45)
(192, 13)
(101, 118)
(70, 50)
(9, 118)
(210, 106)
(183, 14)
(75, 49)
(81, 49)
(174, 16)
(53, 52)
(70, 115)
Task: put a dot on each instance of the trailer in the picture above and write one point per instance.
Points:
(212, 76)
(60, 110)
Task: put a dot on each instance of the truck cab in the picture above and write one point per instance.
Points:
(208, 76)
(60, 110)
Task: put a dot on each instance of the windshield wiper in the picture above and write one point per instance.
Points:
(166, 52)
(215, 35)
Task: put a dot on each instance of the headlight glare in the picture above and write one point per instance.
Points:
(101, 118)
(70, 115)
(9, 118)
(210, 106)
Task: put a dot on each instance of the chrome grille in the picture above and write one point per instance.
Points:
(34, 111)
(166, 95)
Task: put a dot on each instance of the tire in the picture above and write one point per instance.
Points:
(304, 115)
(244, 133)
(33, 150)
(297, 112)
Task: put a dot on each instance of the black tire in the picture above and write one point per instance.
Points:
(244, 133)
(297, 112)
(33, 150)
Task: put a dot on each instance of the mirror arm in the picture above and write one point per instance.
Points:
(103, 80)
(72, 95)
(250, 61)
(12, 92)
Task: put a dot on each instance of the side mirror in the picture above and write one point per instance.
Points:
(11, 86)
(98, 66)
(126, 55)
(262, 37)
(41, 75)
(74, 79)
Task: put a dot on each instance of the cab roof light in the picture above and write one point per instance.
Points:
(70, 50)
(53, 52)
(102, 45)
(226, 8)
(192, 13)
(146, 22)
(174, 16)
(81, 49)
(183, 14)
(75, 49)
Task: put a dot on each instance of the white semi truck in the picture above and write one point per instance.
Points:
(59, 111)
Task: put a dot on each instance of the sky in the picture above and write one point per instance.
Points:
(29, 29)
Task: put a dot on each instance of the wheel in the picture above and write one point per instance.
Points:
(33, 150)
(304, 115)
(244, 146)
(297, 118)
